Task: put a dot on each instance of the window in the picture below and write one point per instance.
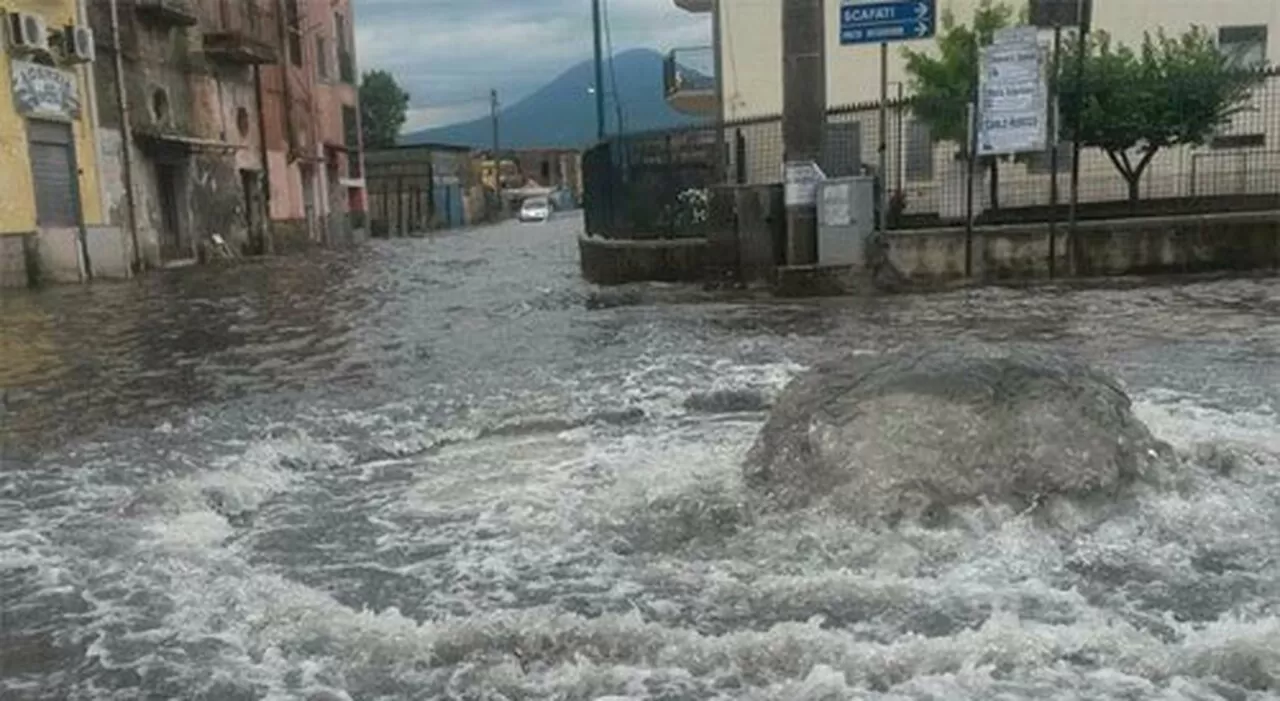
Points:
(294, 26)
(346, 63)
(919, 151)
(351, 130)
(322, 59)
(340, 30)
(1246, 46)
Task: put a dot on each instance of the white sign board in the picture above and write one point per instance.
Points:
(42, 91)
(801, 179)
(1013, 96)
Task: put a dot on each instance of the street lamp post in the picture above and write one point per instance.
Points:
(599, 48)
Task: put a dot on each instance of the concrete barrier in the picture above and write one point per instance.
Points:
(1145, 246)
(617, 262)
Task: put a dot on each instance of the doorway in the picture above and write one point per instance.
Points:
(174, 244)
(251, 185)
(309, 202)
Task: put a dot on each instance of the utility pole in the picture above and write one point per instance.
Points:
(804, 117)
(722, 150)
(595, 20)
(497, 145)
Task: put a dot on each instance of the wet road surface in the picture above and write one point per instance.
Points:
(448, 468)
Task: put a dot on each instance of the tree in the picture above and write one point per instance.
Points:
(945, 83)
(1171, 92)
(383, 105)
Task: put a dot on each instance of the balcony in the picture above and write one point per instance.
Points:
(235, 46)
(698, 6)
(243, 36)
(689, 78)
(167, 13)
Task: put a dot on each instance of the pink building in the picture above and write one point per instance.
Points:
(310, 105)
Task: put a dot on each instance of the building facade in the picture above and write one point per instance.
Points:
(179, 125)
(51, 216)
(750, 64)
(312, 117)
(423, 187)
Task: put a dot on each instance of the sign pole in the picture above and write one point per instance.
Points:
(884, 137)
(1055, 118)
(599, 69)
(972, 148)
(804, 117)
(883, 22)
(1083, 20)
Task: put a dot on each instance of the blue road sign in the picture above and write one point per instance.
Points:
(877, 22)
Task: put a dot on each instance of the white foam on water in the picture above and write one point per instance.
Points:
(631, 563)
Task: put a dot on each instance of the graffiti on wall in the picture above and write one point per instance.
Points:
(42, 91)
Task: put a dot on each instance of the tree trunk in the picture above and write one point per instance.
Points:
(995, 184)
(1134, 193)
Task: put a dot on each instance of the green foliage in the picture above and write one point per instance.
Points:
(1170, 92)
(945, 81)
(383, 108)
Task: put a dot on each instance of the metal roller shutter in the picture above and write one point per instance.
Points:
(53, 172)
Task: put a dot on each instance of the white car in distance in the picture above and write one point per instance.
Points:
(535, 209)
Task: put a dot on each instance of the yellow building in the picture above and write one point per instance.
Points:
(51, 218)
(1241, 160)
(750, 63)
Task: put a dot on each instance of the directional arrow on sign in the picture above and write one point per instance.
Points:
(882, 21)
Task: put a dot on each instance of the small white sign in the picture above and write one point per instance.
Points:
(801, 180)
(837, 210)
(42, 91)
(1013, 95)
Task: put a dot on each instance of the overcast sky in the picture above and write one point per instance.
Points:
(449, 53)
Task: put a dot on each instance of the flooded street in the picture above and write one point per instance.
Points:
(448, 468)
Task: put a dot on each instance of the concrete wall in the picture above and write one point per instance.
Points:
(1149, 246)
(614, 262)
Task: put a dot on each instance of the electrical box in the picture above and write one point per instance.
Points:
(846, 219)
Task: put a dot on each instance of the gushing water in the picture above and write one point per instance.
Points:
(458, 474)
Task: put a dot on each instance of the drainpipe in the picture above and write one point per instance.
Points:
(126, 133)
(285, 79)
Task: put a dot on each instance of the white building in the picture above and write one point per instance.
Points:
(749, 66)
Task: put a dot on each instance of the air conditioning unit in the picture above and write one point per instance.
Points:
(80, 47)
(28, 33)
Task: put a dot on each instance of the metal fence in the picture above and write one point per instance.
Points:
(640, 185)
(404, 205)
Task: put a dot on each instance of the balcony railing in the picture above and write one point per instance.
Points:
(696, 5)
(174, 13)
(244, 34)
(689, 79)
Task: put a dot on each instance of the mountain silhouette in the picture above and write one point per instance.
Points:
(562, 114)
